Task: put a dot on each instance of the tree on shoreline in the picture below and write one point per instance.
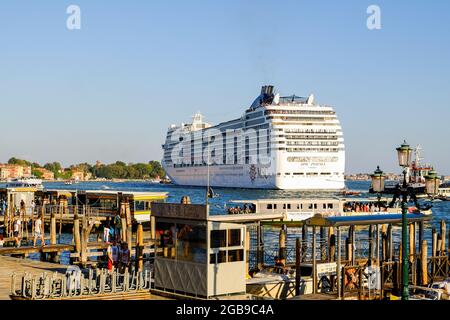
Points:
(117, 170)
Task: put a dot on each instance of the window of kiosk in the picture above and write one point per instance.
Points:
(235, 255)
(182, 241)
(234, 238)
(218, 239)
(227, 246)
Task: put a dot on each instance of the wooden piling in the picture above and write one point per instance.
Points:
(424, 263)
(332, 246)
(351, 234)
(390, 244)
(247, 251)
(282, 245)
(76, 234)
(443, 237)
(348, 250)
(140, 248)
(438, 245)
(314, 263)
(412, 242)
(338, 263)
(323, 252)
(370, 258)
(448, 244)
(84, 239)
(304, 240)
(298, 255)
(123, 223)
(260, 250)
(433, 242)
(383, 243)
(421, 232)
(52, 228)
(152, 227)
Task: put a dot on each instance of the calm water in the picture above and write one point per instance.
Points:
(441, 210)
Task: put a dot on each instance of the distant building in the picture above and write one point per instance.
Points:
(80, 175)
(13, 171)
(46, 174)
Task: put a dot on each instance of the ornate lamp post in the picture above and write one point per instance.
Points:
(404, 159)
(403, 192)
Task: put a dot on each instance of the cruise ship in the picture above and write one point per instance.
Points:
(280, 142)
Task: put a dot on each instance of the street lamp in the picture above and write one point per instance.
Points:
(432, 183)
(378, 178)
(404, 155)
(404, 159)
(403, 192)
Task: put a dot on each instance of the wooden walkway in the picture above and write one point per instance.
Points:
(9, 265)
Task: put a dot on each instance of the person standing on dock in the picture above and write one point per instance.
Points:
(115, 252)
(124, 257)
(110, 258)
(106, 232)
(38, 232)
(16, 229)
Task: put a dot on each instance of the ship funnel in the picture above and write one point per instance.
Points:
(267, 90)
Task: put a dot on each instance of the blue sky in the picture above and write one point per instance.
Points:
(109, 91)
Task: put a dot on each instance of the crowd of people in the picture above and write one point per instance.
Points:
(244, 209)
(364, 207)
(118, 253)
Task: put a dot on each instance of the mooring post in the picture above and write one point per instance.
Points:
(282, 245)
(443, 237)
(84, 239)
(424, 263)
(390, 243)
(261, 247)
(139, 248)
(332, 245)
(247, 251)
(76, 234)
(338, 264)
(314, 260)
(123, 221)
(352, 248)
(433, 242)
(129, 224)
(323, 252)
(152, 227)
(298, 254)
(304, 240)
(383, 243)
(348, 250)
(370, 259)
(412, 242)
(52, 228)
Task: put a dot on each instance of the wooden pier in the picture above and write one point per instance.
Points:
(10, 265)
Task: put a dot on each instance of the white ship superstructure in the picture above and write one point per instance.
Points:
(279, 143)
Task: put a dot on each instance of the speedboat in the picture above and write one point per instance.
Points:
(25, 183)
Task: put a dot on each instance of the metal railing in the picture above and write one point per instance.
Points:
(58, 286)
